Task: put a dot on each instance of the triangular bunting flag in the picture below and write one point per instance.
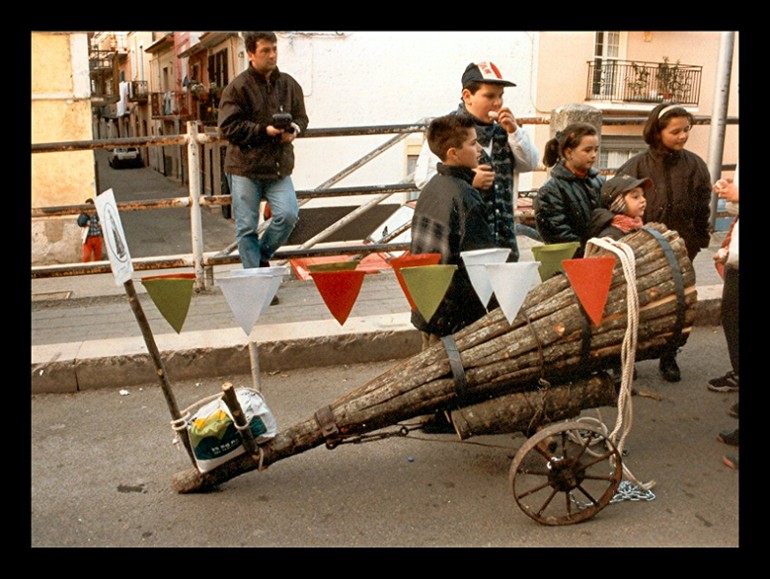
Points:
(550, 257)
(171, 294)
(277, 273)
(427, 285)
(339, 290)
(397, 263)
(511, 283)
(591, 279)
(334, 266)
(248, 293)
(474, 264)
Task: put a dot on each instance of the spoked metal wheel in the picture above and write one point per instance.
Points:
(565, 474)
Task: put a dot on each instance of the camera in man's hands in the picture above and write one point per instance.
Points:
(283, 121)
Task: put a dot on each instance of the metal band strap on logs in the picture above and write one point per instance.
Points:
(458, 370)
(676, 274)
(329, 428)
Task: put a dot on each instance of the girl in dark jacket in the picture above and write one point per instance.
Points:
(681, 197)
(565, 201)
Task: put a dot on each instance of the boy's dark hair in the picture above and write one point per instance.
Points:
(568, 138)
(250, 39)
(473, 86)
(446, 132)
(659, 119)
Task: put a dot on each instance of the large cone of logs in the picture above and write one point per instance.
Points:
(551, 341)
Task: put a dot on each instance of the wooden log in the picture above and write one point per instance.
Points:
(239, 418)
(527, 411)
(546, 340)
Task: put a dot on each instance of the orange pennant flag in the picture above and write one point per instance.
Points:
(409, 260)
(339, 290)
(591, 279)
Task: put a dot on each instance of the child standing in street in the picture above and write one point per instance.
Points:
(506, 150)
(449, 218)
(681, 197)
(564, 203)
(727, 256)
(622, 207)
(91, 234)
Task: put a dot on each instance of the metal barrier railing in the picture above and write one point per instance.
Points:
(201, 262)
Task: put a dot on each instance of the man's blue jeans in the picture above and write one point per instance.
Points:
(246, 195)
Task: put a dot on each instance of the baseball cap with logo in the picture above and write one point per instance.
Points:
(485, 72)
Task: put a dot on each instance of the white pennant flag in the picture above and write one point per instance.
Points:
(475, 262)
(277, 272)
(249, 292)
(511, 283)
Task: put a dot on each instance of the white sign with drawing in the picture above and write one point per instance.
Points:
(114, 238)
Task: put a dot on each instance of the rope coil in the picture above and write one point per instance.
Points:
(628, 349)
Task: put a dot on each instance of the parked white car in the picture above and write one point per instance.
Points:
(126, 157)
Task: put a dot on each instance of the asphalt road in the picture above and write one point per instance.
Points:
(165, 231)
(104, 460)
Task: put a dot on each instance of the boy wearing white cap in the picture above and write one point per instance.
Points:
(505, 149)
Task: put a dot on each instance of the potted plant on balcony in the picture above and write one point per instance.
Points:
(197, 90)
(638, 82)
(672, 80)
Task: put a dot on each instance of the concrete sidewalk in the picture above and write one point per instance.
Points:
(85, 334)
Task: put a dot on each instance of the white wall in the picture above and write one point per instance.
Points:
(358, 79)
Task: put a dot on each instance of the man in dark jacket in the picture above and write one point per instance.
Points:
(260, 114)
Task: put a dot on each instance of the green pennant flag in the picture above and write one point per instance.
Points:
(551, 255)
(427, 285)
(171, 294)
(348, 265)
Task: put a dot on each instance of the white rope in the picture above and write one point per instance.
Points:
(624, 418)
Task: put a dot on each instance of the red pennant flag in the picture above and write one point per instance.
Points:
(591, 279)
(409, 260)
(339, 290)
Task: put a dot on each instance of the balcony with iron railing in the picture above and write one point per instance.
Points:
(169, 103)
(139, 92)
(625, 81)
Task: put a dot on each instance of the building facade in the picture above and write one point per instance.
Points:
(162, 80)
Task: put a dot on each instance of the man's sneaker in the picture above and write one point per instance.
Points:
(728, 437)
(726, 383)
(275, 300)
(669, 369)
(730, 461)
(733, 410)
